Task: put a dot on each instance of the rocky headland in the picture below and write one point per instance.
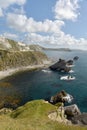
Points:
(71, 112)
(63, 65)
(17, 56)
(61, 97)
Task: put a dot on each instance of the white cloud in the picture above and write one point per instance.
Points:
(10, 35)
(4, 4)
(56, 40)
(22, 23)
(66, 9)
(1, 12)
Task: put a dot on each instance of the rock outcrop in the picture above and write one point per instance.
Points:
(76, 58)
(59, 115)
(61, 65)
(61, 97)
(73, 113)
(80, 119)
(69, 62)
(5, 111)
(72, 110)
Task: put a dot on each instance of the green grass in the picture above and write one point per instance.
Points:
(33, 116)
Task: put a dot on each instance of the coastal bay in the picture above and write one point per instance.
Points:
(42, 84)
(23, 86)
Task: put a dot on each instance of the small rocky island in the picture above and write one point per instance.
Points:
(63, 65)
(61, 97)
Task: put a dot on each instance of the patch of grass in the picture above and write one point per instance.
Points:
(33, 116)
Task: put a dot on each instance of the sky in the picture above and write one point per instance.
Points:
(50, 23)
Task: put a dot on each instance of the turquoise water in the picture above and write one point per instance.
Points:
(42, 85)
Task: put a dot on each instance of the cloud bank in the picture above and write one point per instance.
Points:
(25, 24)
(52, 29)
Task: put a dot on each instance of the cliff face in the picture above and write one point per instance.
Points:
(19, 59)
(11, 45)
(14, 54)
(36, 47)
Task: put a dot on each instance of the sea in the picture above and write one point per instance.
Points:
(44, 83)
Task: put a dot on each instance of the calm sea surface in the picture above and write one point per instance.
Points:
(42, 84)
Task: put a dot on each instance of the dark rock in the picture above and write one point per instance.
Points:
(72, 110)
(61, 66)
(60, 97)
(76, 58)
(70, 62)
(80, 119)
(58, 65)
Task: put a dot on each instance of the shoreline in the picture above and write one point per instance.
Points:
(9, 72)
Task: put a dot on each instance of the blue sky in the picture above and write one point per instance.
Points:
(50, 23)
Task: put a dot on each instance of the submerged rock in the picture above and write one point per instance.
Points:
(76, 58)
(61, 97)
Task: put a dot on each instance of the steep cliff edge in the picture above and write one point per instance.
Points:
(34, 115)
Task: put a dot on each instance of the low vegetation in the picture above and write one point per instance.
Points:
(20, 58)
(33, 116)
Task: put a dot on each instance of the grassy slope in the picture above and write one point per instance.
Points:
(20, 58)
(12, 57)
(14, 45)
(33, 116)
(36, 47)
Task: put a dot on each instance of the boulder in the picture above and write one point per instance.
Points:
(60, 97)
(72, 110)
(80, 119)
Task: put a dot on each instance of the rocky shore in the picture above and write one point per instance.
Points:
(70, 114)
(9, 72)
